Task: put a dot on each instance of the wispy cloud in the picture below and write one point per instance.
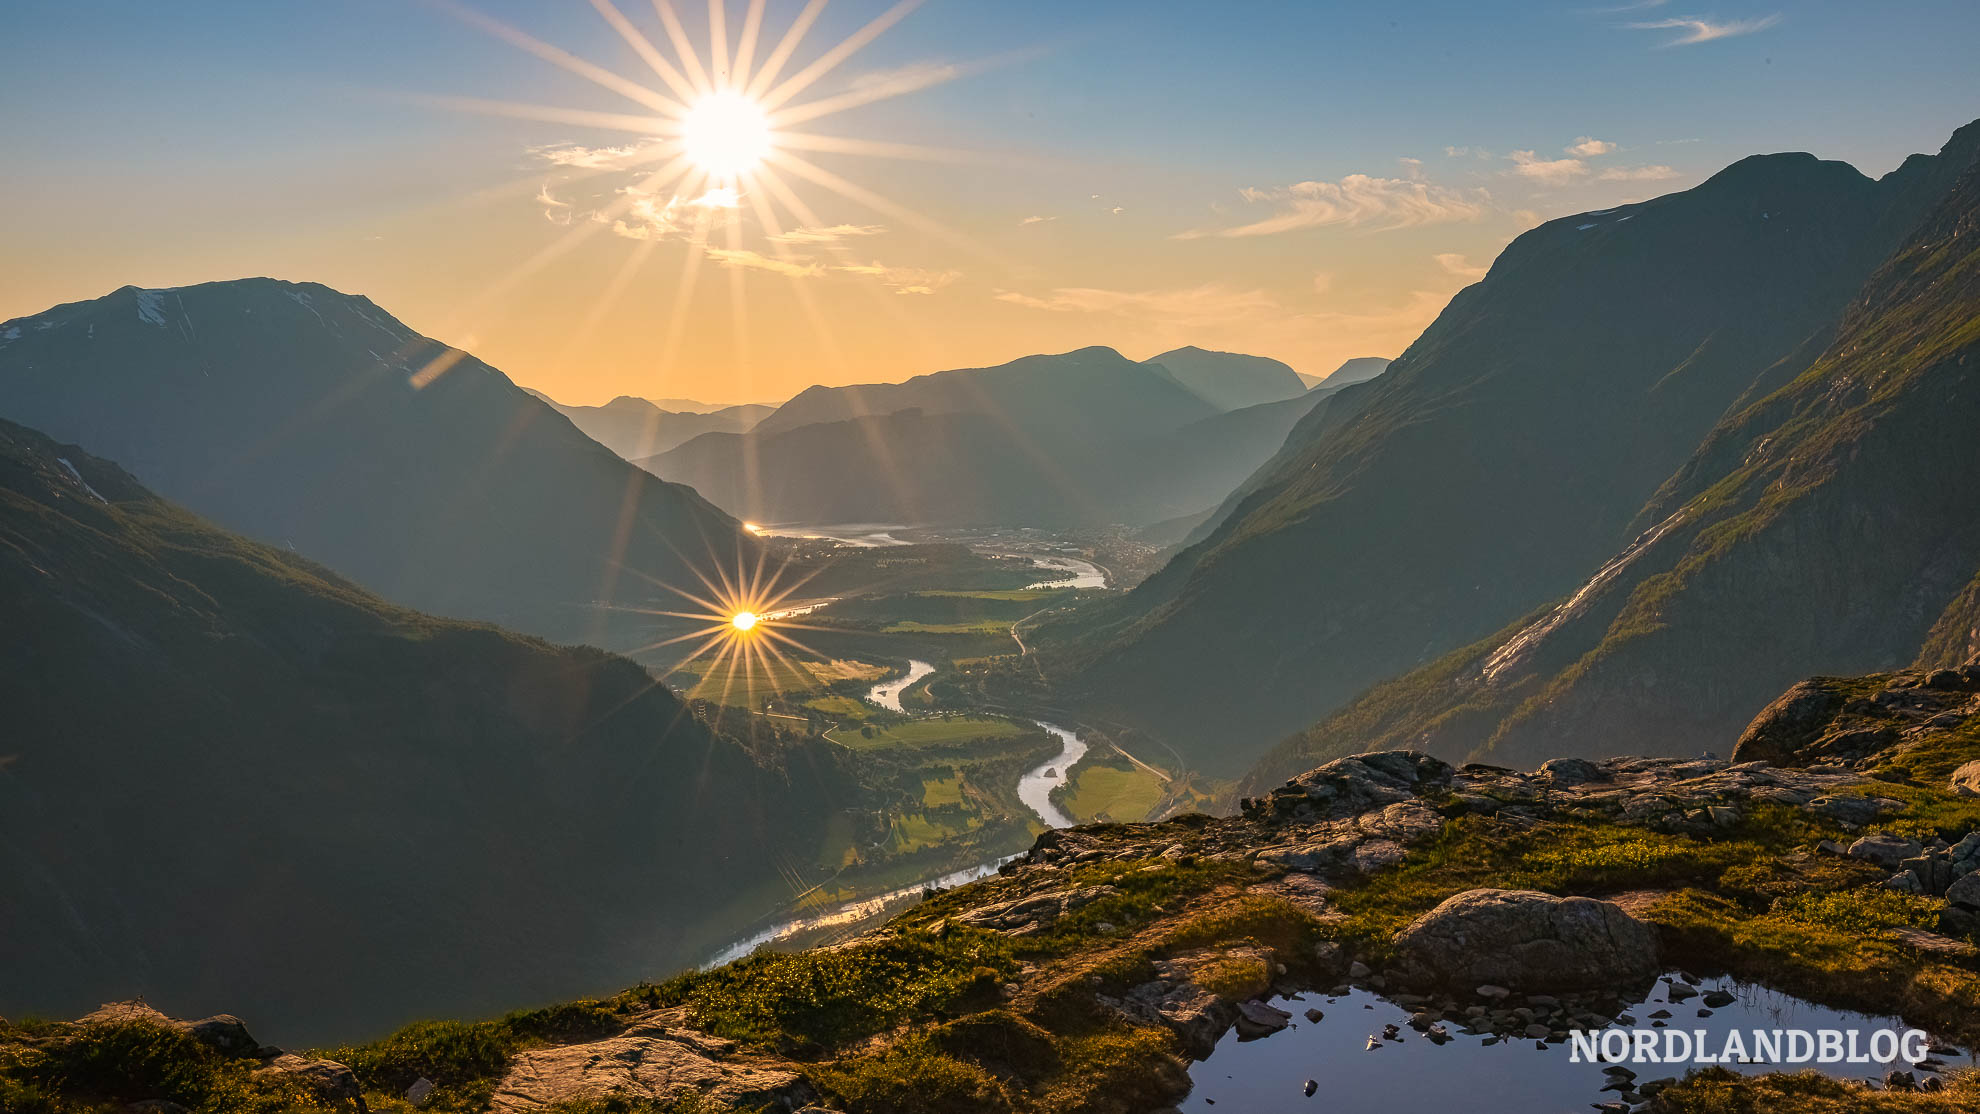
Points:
(1587, 147)
(1037, 220)
(1704, 30)
(1552, 172)
(901, 280)
(743, 257)
(651, 217)
(1357, 200)
(581, 157)
(833, 234)
(1656, 173)
(554, 211)
(1458, 265)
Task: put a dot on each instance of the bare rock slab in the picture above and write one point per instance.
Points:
(652, 1061)
(1529, 941)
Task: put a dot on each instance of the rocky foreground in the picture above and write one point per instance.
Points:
(1835, 855)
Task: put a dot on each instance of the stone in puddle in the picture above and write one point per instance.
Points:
(1256, 1019)
(1528, 939)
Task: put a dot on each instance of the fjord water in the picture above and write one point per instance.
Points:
(1267, 1076)
(1034, 789)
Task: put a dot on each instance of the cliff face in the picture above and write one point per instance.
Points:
(1499, 460)
(1817, 529)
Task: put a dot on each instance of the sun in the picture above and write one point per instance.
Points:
(744, 621)
(726, 134)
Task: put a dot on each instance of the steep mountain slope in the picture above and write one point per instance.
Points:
(1818, 530)
(1095, 393)
(231, 779)
(972, 468)
(1230, 380)
(635, 428)
(1498, 460)
(305, 417)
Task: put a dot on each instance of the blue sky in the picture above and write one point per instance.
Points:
(171, 143)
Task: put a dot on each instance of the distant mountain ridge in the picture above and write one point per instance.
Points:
(1083, 438)
(231, 779)
(1091, 392)
(1230, 380)
(636, 428)
(305, 417)
(1502, 457)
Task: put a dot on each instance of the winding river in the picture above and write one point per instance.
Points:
(1034, 789)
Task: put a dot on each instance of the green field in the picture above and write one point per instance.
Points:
(939, 791)
(978, 626)
(924, 732)
(1123, 795)
(919, 830)
(742, 683)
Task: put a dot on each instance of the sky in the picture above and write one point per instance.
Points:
(1309, 181)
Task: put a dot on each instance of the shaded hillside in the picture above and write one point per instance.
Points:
(313, 419)
(230, 779)
(1094, 393)
(975, 468)
(635, 428)
(1821, 538)
(1502, 457)
(1230, 380)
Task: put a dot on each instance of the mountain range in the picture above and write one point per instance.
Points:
(1079, 438)
(1818, 528)
(635, 427)
(1502, 459)
(308, 418)
(230, 778)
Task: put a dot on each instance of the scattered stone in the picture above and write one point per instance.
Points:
(1256, 1019)
(1312, 1085)
(328, 1078)
(1720, 999)
(420, 1091)
(1313, 1016)
(1965, 892)
(1885, 849)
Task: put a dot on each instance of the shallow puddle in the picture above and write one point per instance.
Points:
(1268, 1076)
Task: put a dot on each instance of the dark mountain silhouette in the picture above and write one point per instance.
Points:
(1230, 380)
(1823, 528)
(230, 779)
(308, 418)
(1500, 459)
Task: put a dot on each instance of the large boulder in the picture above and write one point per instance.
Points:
(654, 1061)
(1353, 785)
(1528, 941)
(328, 1079)
(1796, 718)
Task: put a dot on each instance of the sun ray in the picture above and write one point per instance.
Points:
(598, 75)
(644, 47)
(831, 59)
(683, 47)
(873, 148)
(752, 28)
(718, 43)
(786, 46)
(818, 175)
